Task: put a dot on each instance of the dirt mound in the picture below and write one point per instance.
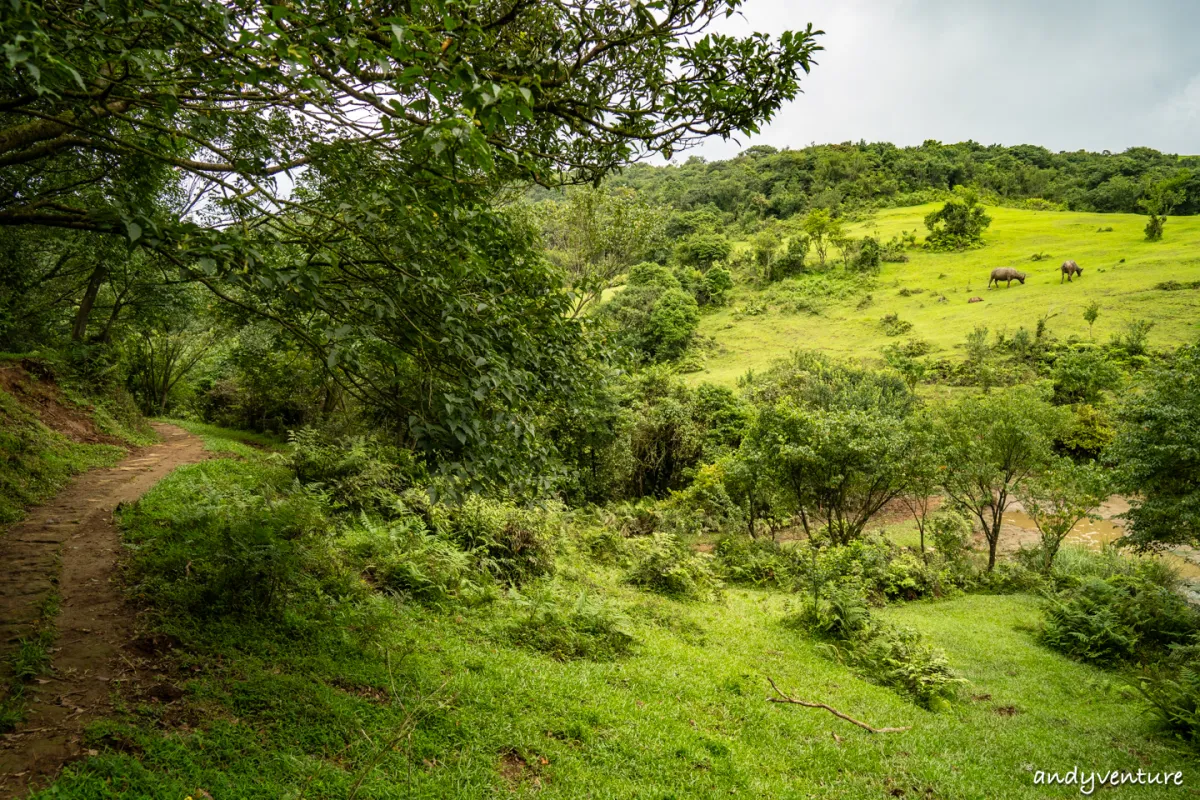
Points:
(34, 388)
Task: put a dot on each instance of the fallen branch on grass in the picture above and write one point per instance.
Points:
(783, 698)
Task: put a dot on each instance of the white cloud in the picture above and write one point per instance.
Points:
(1182, 109)
(1065, 75)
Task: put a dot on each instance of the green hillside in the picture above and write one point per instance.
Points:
(454, 489)
(1121, 270)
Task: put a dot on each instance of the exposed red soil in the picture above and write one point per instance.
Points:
(43, 397)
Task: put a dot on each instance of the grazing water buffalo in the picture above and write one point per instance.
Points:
(1069, 269)
(1006, 274)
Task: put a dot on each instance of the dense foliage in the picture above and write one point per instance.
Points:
(1156, 449)
(765, 182)
(343, 175)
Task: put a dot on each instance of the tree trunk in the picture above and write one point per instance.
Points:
(106, 334)
(89, 300)
(329, 403)
(993, 538)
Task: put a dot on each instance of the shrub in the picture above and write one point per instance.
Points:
(840, 616)
(950, 533)
(892, 250)
(899, 658)
(261, 380)
(512, 544)
(957, 225)
(1080, 376)
(1175, 286)
(1089, 432)
(1134, 339)
(791, 261)
(860, 566)
(703, 250)
(641, 518)
(673, 320)
(1008, 577)
(357, 472)
(654, 317)
(704, 506)
(717, 284)
(1075, 563)
(758, 562)
(594, 535)
(869, 254)
(1154, 227)
(1122, 618)
(907, 577)
(894, 326)
(667, 566)
(566, 630)
(806, 305)
(1172, 691)
(403, 558)
(891, 656)
(911, 348)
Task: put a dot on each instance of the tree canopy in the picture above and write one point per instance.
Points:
(1157, 452)
(342, 172)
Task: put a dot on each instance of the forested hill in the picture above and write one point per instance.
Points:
(765, 182)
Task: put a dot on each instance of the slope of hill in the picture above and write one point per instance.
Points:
(1121, 271)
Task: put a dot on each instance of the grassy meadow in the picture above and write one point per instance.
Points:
(1120, 272)
(487, 508)
(335, 687)
(350, 693)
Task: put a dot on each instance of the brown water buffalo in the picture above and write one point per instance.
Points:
(1006, 274)
(1069, 269)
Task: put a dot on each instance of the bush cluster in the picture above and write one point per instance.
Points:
(1171, 690)
(217, 540)
(358, 473)
(568, 630)
(1122, 618)
(889, 655)
(402, 557)
(666, 565)
(512, 544)
(872, 567)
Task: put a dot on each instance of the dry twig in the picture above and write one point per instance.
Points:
(783, 698)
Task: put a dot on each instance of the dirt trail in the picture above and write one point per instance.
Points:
(70, 545)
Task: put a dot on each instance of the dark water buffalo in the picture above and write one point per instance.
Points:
(1006, 274)
(1069, 269)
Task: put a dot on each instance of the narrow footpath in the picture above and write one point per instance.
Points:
(69, 548)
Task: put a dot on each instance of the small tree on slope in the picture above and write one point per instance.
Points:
(989, 445)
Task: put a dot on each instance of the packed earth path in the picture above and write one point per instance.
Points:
(65, 554)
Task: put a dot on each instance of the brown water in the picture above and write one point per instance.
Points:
(1095, 534)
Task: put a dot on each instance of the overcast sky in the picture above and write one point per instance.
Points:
(1066, 75)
